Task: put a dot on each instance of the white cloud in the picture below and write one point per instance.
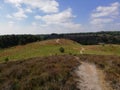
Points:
(62, 17)
(102, 11)
(11, 23)
(73, 26)
(38, 17)
(34, 24)
(14, 2)
(28, 10)
(105, 14)
(101, 20)
(47, 6)
(9, 16)
(19, 15)
(51, 21)
(62, 20)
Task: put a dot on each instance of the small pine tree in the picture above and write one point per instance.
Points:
(61, 49)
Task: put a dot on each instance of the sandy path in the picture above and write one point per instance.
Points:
(82, 50)
(58, 41)
(89, 78)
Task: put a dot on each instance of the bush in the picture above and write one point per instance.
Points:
(6, 59)
(61, 49)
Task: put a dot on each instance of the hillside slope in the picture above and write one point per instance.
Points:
(37, 49)
(51, 47)
(58, 72)
(106, 49)
(48, 73)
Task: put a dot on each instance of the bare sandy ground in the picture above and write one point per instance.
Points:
(90, 78)
(58, 41)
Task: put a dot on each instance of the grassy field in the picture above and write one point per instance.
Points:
(37, 49)
(51, 47)
(108, 49)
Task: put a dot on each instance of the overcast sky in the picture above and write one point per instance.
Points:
(58, 16)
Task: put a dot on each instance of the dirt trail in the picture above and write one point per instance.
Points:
(82, 50)
(90, 78)
(58, 41)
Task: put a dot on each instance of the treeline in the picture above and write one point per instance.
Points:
(82, 38)
(13, 40)
(95, 38)
(92, 38)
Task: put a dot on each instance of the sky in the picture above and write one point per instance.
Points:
(58, 16)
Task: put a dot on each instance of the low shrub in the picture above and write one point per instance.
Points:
(6, 59)
(61, 49)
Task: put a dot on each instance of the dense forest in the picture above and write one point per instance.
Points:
(82, 38)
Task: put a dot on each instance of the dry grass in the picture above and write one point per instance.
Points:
(54, 72)
(49, 73)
